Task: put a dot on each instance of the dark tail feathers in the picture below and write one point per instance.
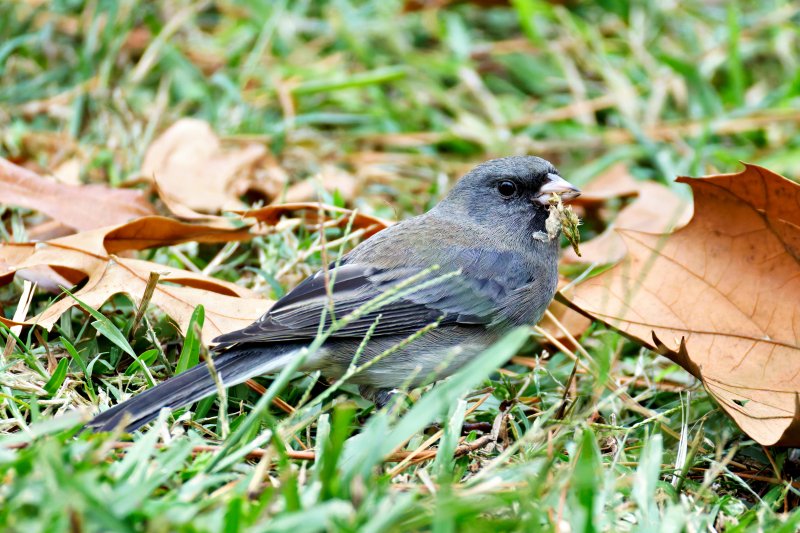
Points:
(235, 366)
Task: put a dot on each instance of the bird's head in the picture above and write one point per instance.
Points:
(510, 193)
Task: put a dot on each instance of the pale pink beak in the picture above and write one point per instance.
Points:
(557, 184)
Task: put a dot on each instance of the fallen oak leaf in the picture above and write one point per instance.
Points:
(656, 210)
(272, 214)
(153, 232)
(140, 234)
(191, 166)
(83, 207)
(616, 182)
(331, 178)
(48, 229)
(228, 306)
(575, 323)
(45, 278)
(720, 297)
(178, 210)
(91, 255)
(69, 172)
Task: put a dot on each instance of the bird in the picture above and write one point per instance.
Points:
(477, 265)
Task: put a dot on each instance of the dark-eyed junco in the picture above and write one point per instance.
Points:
(489, 227)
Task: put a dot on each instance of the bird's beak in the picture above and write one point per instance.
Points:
(557, 184)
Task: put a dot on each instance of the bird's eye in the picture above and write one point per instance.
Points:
(507, 188)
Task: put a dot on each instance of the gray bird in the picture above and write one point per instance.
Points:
(483, 227)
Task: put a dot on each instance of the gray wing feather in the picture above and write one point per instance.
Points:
(467, 299)
(488, 277)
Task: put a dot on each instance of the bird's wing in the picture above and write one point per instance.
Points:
(468, 298)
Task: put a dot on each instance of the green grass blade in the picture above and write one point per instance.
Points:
(190, 355)
(444, 457)
(147, 358)
(360, 457)
(373, 77)
(55, 381)
(48, 427)
(103, 325)
(87, 373)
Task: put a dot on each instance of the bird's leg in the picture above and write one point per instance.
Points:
(380, 397)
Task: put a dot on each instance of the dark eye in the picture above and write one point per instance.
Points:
(507, 188)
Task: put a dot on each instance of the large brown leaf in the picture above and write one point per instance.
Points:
(190, 165)
(575, 323)
(82, 207)
(656, 210)
(616, 182)
(330, 177)
(91, 255)
(228, 307)
(141, 234)
(271, 214)
(721, 297)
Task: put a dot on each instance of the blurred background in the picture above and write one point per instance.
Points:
(389, 102)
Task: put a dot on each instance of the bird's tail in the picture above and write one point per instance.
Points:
(234, 366)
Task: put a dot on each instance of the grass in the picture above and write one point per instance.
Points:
(405, 102)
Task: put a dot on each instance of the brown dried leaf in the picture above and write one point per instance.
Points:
(45, 278)
(228, 306)
(616, 182)
(267, 181)
(84, 207)
(575, 323)
(191, 167)
(272, 214)
(49, 229)
(147, 232)
(69, 172)
(332, 178)
(178, 210)
(91, 254)
(656, 210)
(143, 233)
(721, 297)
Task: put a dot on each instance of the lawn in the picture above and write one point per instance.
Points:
(381, 106)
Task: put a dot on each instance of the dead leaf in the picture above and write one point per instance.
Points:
(142, 233)
(84, 207)
(721, 297)
(267, 181)
(178, 210)
(190, 165)
(93, 255)
(69, 172)
(332, 178)
(656, 210)
(575, 323)
(616, 182)
(90, 255)
(153, 232)
(272, 214)
(49, 229)
(228, 307)
(44, 278)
